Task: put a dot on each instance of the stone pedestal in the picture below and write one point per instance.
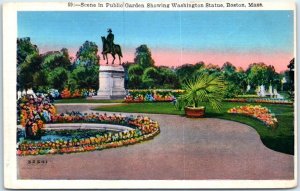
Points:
(111, 83)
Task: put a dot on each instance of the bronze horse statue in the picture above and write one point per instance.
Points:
(106, 50)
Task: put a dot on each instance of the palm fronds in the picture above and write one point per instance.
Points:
(203, 89)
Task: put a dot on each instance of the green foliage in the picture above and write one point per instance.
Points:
(236, 81)
(37, 71)
(150, 77)
(27, 70)
(203, 89)
(135, 69)
(24, 49)
(83, 77)
(260, 73)
(25, 53)
(87, 54)
(212, 69)
(232, 90)
(187, 71)
(291, 83)
(40, 81)
(143, 56)
(58, 78)
(86, 71)
(135, 73)
(167, 78)
(54, 59)
(228, 68)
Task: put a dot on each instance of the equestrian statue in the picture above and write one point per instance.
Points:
(110, 47)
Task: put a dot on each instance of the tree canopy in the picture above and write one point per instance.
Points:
(88, 54)
(143, 56)
(24, 49)
(260, 73)
(55, 69)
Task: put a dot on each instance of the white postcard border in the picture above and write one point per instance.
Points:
(9, 105)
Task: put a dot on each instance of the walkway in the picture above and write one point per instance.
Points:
(185, 149)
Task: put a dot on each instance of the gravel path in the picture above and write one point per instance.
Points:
(185, 149)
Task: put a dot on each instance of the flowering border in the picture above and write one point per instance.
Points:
(144, 129)
(256, 100)
(258, 112)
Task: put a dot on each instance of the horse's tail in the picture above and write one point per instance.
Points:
(121, 55)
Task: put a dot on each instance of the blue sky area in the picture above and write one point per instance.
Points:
(237, 31)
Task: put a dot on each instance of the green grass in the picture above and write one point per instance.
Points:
(84, 100)
(280, 139)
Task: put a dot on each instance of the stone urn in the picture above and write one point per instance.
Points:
(194, 112)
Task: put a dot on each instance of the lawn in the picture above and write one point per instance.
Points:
(84, 100)
(280, 139)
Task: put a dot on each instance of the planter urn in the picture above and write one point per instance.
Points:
(194, 112)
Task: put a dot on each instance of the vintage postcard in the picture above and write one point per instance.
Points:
(142, 95)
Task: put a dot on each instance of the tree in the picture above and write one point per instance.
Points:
(143, 56)
(26, 71)
(167, 78)
(135, 73)
(228, 68)
(150, 78)
(87, 54)
(291, 79)
(86, 69)
(40, 81)
(54, 59)
(187, 71)
(212, 68)
(24, 49)
(261, 74)
(234, 79)
(58, 78)
(83, 77)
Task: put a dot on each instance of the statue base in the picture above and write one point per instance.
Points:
(111, 83)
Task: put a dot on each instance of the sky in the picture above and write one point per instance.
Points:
(174, 37)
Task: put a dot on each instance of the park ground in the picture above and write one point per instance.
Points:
(280, 139)
(207, 148)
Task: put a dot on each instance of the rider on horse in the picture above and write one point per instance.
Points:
(110, 39)
(110, 47)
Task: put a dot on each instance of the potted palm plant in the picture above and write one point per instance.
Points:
(199, 91)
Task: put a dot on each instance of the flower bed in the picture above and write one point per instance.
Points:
(259, 100)
(143, 129)
(82, 93)
(258, 112)
(139, 96)
(33, 113)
